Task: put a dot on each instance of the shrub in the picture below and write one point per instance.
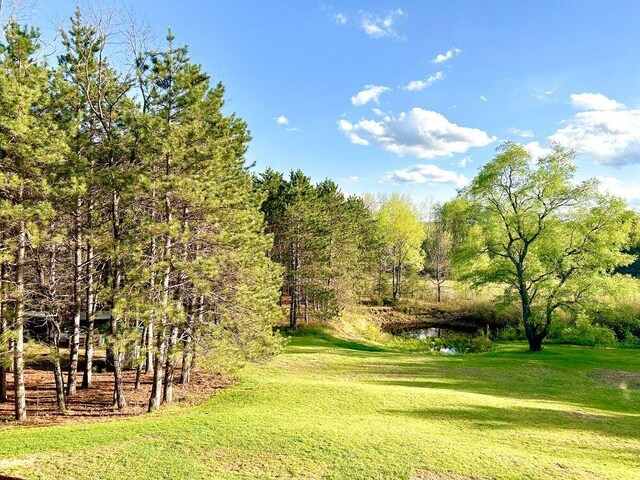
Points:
(480, 344)
(583, 332)
(510, 333)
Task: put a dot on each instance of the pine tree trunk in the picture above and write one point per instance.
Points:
(3, 330)
(119, 400)
(187, 353)
(74, 344)
(293, 309)
(18, 344)
(185, 374)
(139, 353)
(158, 363)
(171, 366)
(91, 308)
(61, 403)
(148, 364)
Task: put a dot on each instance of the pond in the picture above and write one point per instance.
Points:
(427, 333)
(424, 333)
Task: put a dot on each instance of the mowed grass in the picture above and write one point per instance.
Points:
(328, 408)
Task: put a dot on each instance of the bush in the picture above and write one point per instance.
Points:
(510, 333)
(583, 332)
(480, 344)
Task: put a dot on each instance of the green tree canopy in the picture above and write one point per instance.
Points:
(540, 233)
(402, 234)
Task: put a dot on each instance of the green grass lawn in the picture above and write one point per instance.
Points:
(328, 408)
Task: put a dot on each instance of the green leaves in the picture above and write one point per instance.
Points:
(538, 232)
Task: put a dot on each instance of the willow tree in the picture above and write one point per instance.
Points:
(541, 234)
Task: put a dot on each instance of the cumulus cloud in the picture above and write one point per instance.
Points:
(415, 85)
(419, 133)
(348, 128)
(609, 132)
(381, 25)
(594, 101)
(484, 99)
(369, 93)
(521, 133)
(448, 55)
(340, 18)
(284, 121)
(464, 161)
(630, 191)
(351, 179)
(425, 174)
(536, 150)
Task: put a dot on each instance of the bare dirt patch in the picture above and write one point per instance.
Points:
(96, 403)
(622, 379)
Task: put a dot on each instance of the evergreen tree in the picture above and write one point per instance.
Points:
(30, 148)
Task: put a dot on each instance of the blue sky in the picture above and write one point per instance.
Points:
(414, 96)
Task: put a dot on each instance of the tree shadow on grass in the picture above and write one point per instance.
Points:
(560, 374)
(536, 382)
(308, 337)
(549, 418)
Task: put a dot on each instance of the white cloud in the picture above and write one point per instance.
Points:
(351, 179)
(419, 133)
(610, 136)
(521, 133)
(422, 84)
(378, 112)
(594, 101)
(448, 55)
(536, 150)
(369, 93)
(348, 128)
(381, 26)
(357, 139)
(484, 99)
(545, 92)
(340, 18)
(630, 191)
(425, 174)
(284, 121)
(464, 161)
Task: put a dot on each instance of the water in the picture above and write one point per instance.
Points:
(431, 332)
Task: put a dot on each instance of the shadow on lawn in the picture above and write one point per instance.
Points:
(519, 418)
(557, 374)
(312, 337)
(537, 380)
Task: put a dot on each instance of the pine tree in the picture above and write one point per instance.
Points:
(29, 145)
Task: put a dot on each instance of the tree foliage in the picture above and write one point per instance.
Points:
(541, 234)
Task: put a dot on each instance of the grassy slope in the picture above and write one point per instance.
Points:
(333, 409)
